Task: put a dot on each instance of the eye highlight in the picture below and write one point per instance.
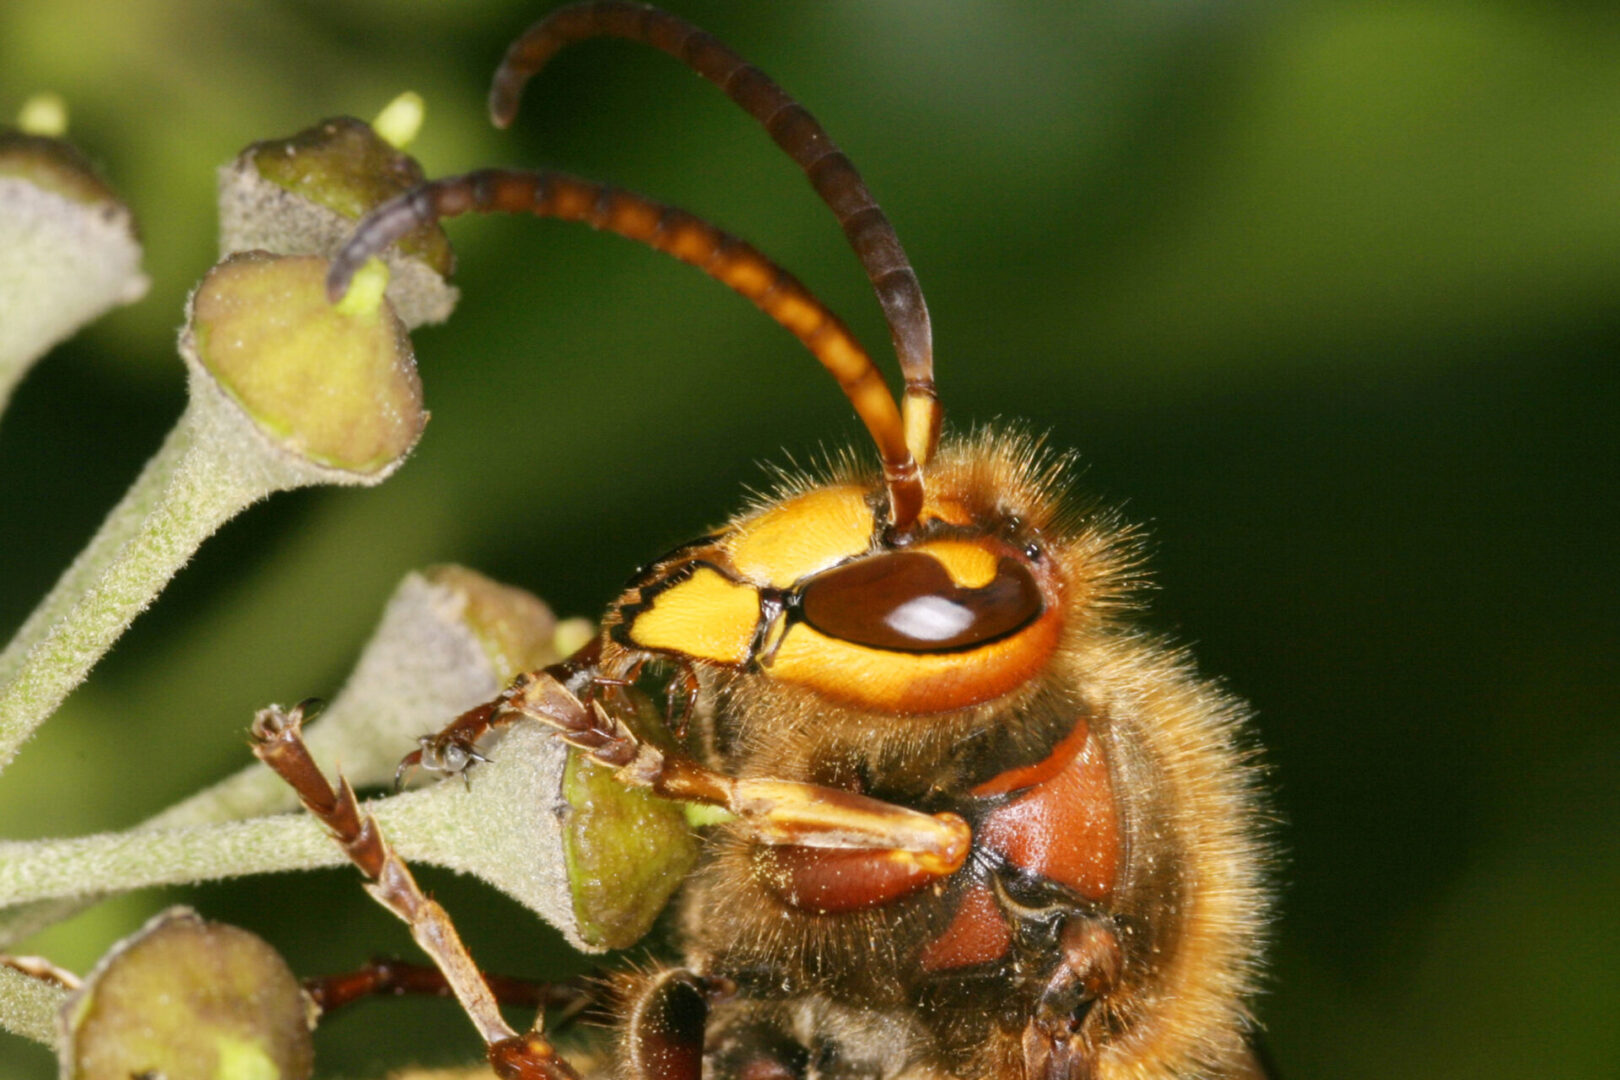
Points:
(906, 601)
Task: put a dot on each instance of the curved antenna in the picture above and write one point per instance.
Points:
(799, 135)
(688, 238)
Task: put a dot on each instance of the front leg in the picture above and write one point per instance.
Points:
(582, 699)
(567, 697)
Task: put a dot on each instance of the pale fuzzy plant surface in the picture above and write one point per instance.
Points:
(260, 333)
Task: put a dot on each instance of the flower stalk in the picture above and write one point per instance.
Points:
(559, 835)
(504, 827)
(260, 335)
(29, 1005)
(448, 639)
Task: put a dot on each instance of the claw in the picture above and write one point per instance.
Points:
(412, 760)
(444, 754)
(468, 758)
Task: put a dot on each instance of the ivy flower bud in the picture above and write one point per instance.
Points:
(68, 250)
(304, 194)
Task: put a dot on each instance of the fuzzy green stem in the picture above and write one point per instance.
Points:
(517, 826)
(28, 1006)
(502, 828)
(447, 640)
(197, 481)
(246, 432)
(118, 862)
(180, 498)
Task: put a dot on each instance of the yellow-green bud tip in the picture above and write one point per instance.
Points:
(241, 1059)
(366, 290)
(400, 119)
(699, 815)
(572, 634)
(45, 113)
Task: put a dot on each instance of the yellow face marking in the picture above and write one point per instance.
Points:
(705, 616)
(970, 565)
(913, 682)
(803, 535)
(947, 510)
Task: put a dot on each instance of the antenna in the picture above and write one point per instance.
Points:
(799, 135)
(692, 240)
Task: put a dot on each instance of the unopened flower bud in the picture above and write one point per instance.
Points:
(186, 998)
(338, 389)
(68, 250)
(303, 195)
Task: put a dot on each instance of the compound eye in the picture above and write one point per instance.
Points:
(907, 602)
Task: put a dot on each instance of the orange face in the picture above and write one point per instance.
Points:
(1113, 874)
(811, 593)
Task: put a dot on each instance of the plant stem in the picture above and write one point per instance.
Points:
(28, 1006)
(259, 327)
(506, 828)
(180, 498)
(115, 862)
(503, 827)
(448, 639)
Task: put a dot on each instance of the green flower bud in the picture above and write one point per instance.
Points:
(68, 250)
(303, 195)
(334, 387)
(187, 998)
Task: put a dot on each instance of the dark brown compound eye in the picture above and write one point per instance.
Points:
(906, 602)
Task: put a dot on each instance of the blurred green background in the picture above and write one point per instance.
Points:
(1328, 295)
